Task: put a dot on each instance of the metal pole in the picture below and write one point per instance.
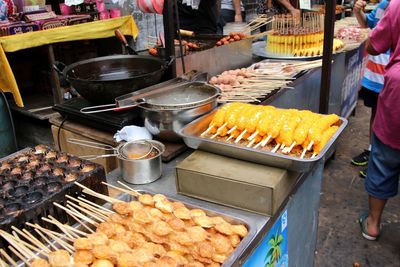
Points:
(330, 6)
(169, 35)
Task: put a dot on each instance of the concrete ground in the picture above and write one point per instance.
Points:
(343, 199)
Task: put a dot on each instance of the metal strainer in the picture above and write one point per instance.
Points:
(136, 149)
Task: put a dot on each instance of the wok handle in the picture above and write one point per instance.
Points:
(59, 67)
(109, 107)
(123, 40)
(121, 37)
(90, 144)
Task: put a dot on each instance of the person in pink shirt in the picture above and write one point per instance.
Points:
(384, 162)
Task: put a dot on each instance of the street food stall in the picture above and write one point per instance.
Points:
(233, 174)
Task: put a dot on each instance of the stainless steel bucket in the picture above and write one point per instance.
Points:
(142, 171)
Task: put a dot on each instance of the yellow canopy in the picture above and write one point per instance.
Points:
(85, 31)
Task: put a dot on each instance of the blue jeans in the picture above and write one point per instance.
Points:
(383, 172)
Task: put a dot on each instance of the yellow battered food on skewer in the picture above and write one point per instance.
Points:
(319, 127)
(259, 125)
(326, 136)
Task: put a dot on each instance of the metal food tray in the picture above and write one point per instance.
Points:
(191, 136)
(191, 204)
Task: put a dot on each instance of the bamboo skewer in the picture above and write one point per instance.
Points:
(82, 223)
(45, 238)
(37, 226)
(16, 243)
(85, 203)
(66, 227)
(100, 208)
(18, 255)
(40, 248)
(100, 218)
(131, 192)
(2, 263)
(95, 194)
(69, 234)
(35, 241)
(80, 215)
(8, 258)
(130, 188)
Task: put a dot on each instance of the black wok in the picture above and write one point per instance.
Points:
(100, 80)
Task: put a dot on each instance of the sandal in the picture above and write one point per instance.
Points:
(362, 220)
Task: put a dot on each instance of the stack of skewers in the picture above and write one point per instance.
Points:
(148, 231)
(258, 81)
(288, 131)
(291, 36)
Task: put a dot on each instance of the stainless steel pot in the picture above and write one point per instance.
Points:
(135, 171)
(165, 124)
(142, 171)
(166, 108)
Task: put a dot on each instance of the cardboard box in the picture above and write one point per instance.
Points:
(232, 182)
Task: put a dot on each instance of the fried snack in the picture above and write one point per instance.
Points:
(40, 263)
(161, 228)
(224, 228)
(142, 217)
(221, 243)
(159, 197)
(122, 208)
(104, 252)
(183, 238)
(80, 264)
(220, 258)
(156, 249)
(203, 221)
(218, 220)
(206, 250)
(132, 239)
(117, 218)
(59, 258)
(98, 239)
(102, 263)
(176, 224)
(197, 212)
(83, 243)
(179, 259)
(235, 240)
(320, 126)
(177, 205)
(146, 199)
(165, 206)
(326, 136)
(182, 213)
(197, 233)
(135, 205)
(156, 214)
(83, 256)
(240, 230)
(118, 246)
(142, 255)
(126, 259)
(194, 264)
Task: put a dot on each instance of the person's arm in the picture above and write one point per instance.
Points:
(238, 11)
(370, 49)
(380, 39)
(295, 12)
(358, 10)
